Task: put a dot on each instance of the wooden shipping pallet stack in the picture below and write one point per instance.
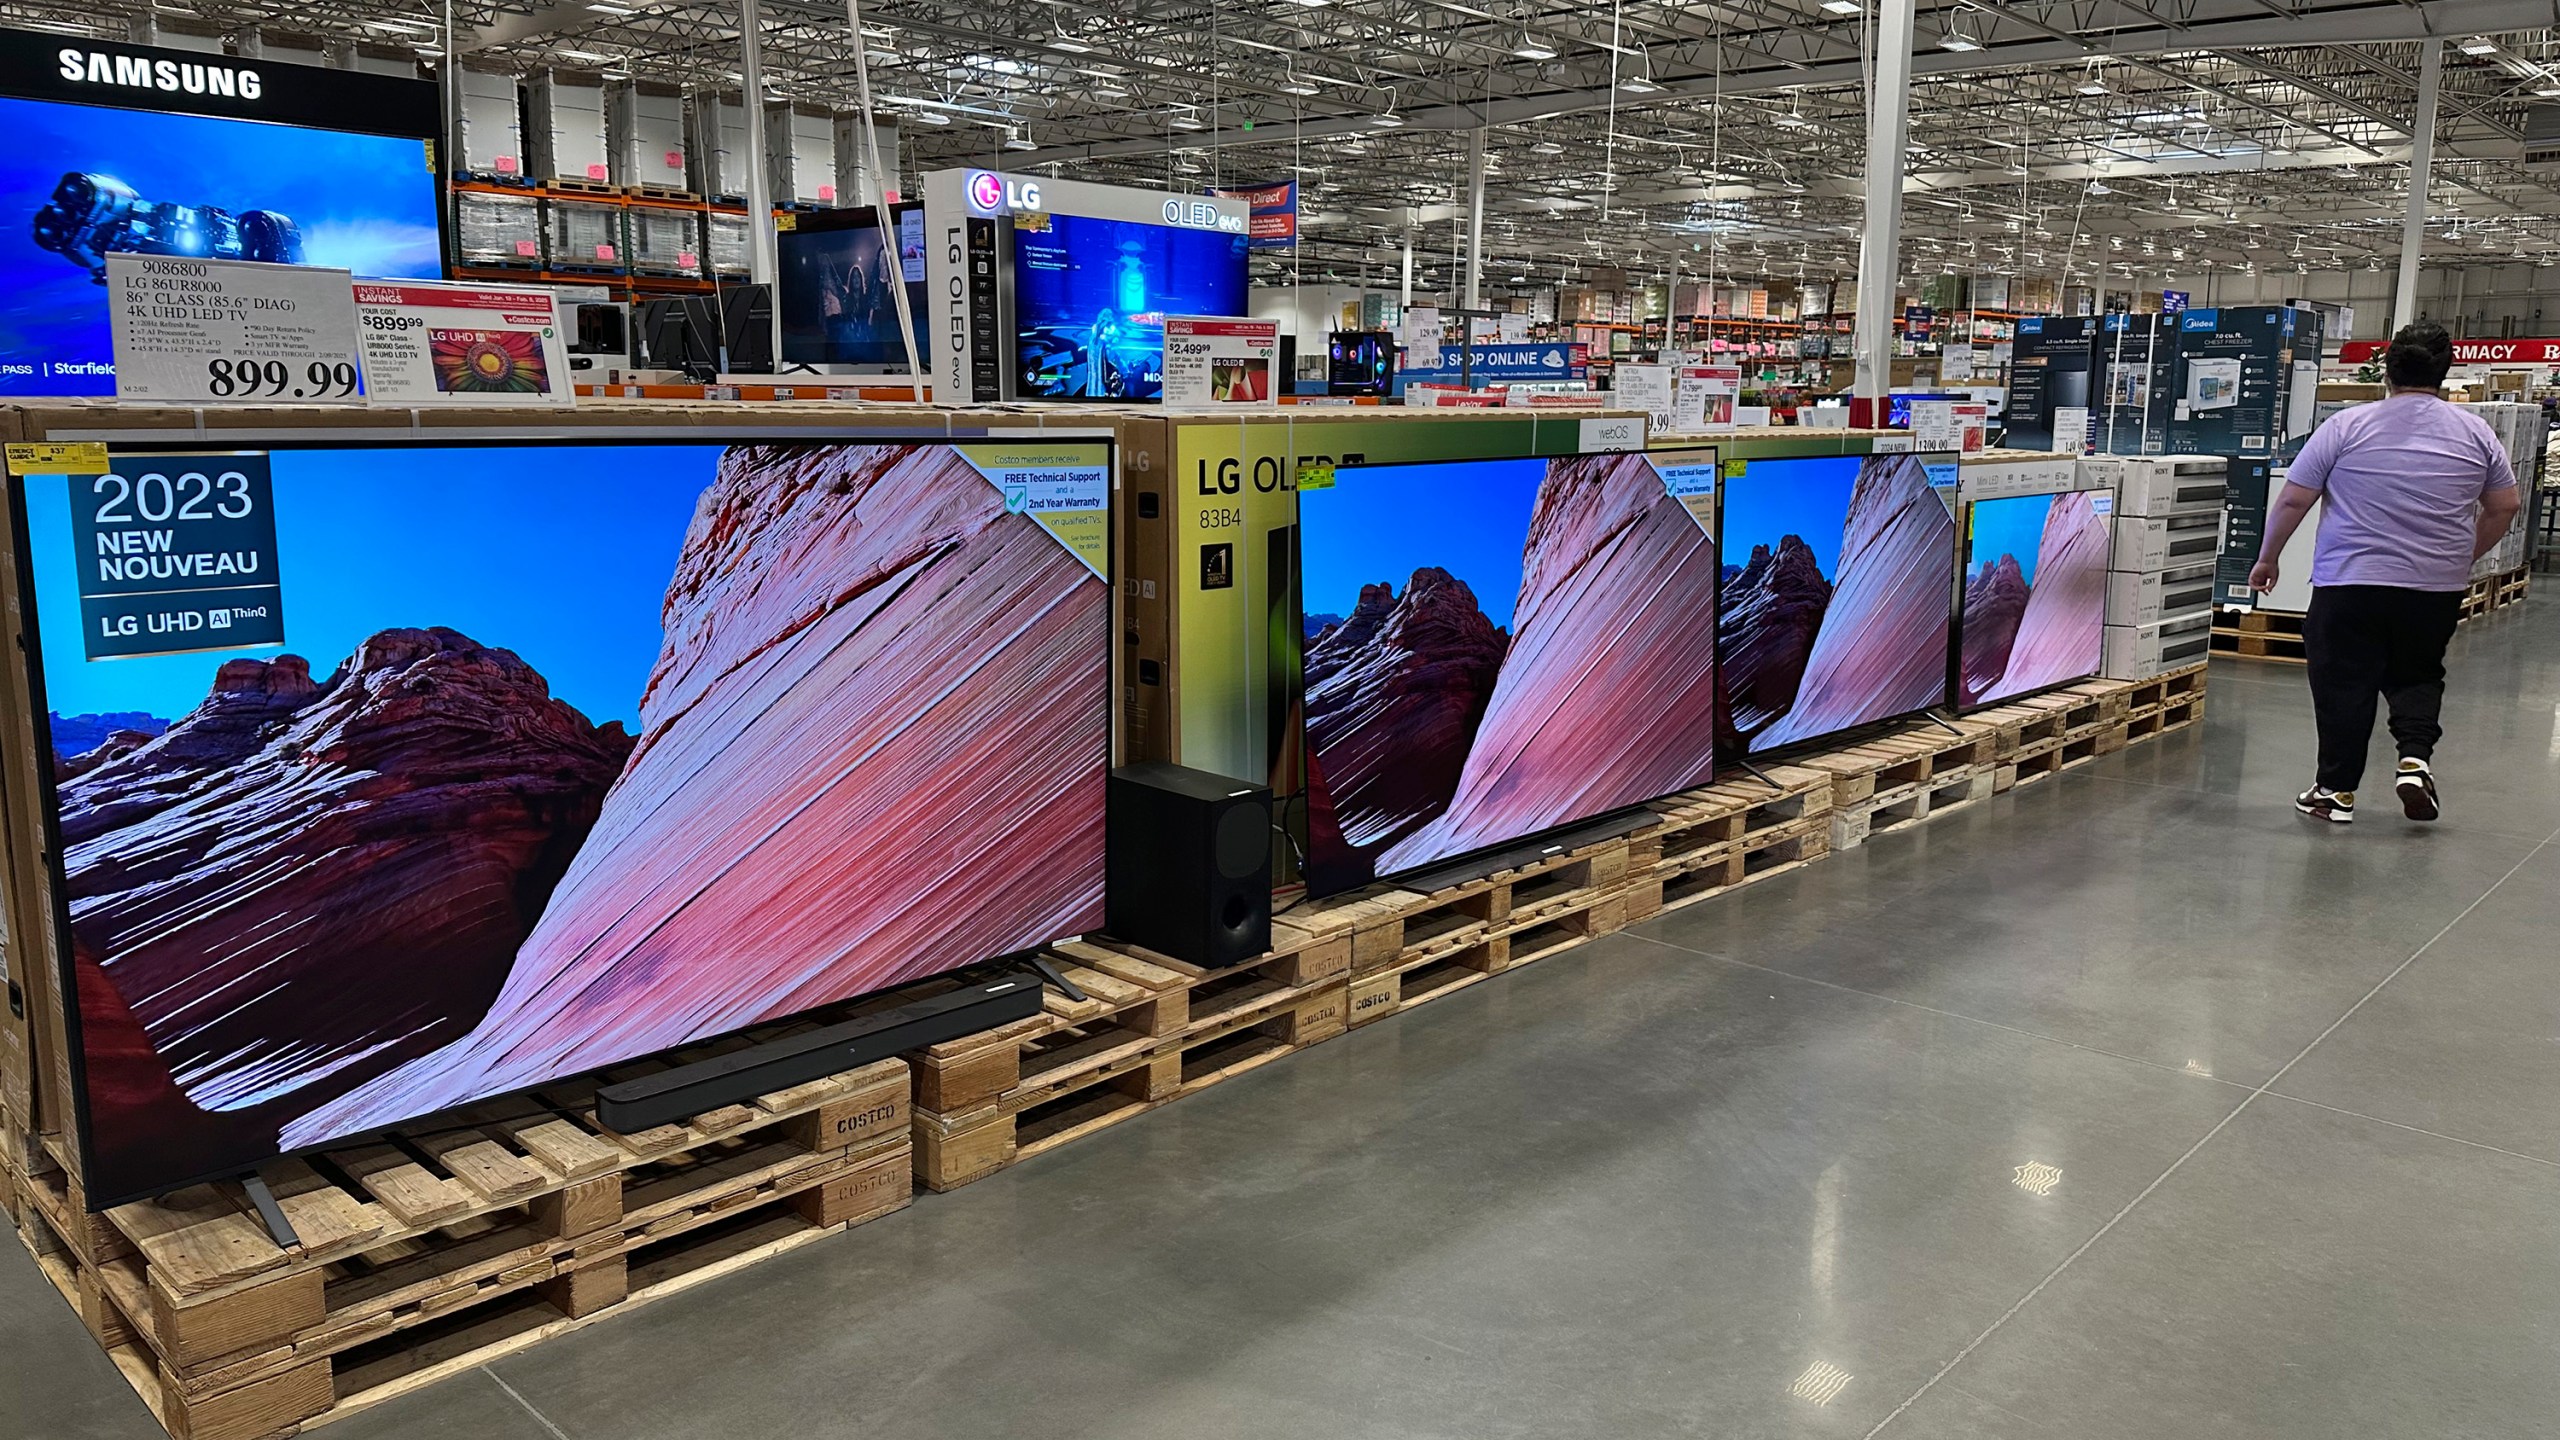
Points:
(1153, 1029)
(1729, 834)
(2164, 703)
(434, 1249)
(1884, 784)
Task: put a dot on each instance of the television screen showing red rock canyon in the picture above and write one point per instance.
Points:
(1497, 648)
(395, 779)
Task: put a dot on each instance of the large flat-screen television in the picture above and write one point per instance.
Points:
(130, 148)
(1838, 572)
(665, 740)
(1495, 649)
(837, 307)
(2035, 596)
(1090, 297)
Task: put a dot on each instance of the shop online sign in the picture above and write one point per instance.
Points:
(1544, 361)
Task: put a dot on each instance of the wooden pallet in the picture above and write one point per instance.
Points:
(580, 186)
(442, 1247)
(1886, 783)
(1154, 1030)
(1728, 834)
(662, 194)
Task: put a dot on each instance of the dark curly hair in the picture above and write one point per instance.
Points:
(2419, 356)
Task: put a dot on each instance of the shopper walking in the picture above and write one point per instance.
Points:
(2418, 489)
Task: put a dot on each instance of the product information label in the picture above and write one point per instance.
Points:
(230, 331)
(176, 553)
(1646, 388)
(1704, 398)
(1066, 495)
(430, 344)
(1219, 363)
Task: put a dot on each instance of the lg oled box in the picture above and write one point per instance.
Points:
(1495, 649)
(833, 281)
(671, 739)
(134, 149)
(1090, 297)
(2035, 595)
(1837, 577)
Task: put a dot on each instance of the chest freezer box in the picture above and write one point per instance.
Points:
(2162, 485)
(2148, 597)
(2156, 542)
(2138, 652)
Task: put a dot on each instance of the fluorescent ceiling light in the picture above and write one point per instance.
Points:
(1844, 7)
(601, 8)
(1959, 41)
(1072, 47)
(1533, 48)
(2092, 86)
(1185, 122)
(2547, 90)
(1299, 87)
(589, 56)
(2479, 45)
(1386, 122)
(1792, 120)
(1019, 142)
(1638, 85)
(1546, 147)
(931, 117)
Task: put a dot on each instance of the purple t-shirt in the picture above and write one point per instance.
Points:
(2403, 477)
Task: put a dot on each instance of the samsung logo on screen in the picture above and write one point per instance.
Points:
(138, 72)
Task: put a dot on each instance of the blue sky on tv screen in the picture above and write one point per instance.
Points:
(2014, 525)
(365, 203)
(1808, 498)
(559, 553)
(1383, 522)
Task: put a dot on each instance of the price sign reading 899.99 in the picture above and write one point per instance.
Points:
(231, 332)
(176, 553)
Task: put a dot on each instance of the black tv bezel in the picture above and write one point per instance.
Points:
(1955, 635)
(836, 221)
(1514, 843)
(47, 801)
(1012, 307)
(1949, 590)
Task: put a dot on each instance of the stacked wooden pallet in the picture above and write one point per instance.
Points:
(1882, 785)
(1713, 839)
(2277, 634)
(435, 1249)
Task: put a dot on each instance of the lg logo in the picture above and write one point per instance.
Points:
(997, 194)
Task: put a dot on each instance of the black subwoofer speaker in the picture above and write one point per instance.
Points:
(1190, 864)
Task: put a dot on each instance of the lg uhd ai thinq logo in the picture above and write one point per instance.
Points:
(996, 194)
(140, 72)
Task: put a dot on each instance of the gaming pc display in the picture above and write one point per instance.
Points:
(2035, 596)
(837, 308)
(1540, 655)
(1360, 362)
(1090, 297)
(349, 841)
(1835, 610)
(117, 148)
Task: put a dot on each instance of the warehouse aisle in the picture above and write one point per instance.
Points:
(2127, 1105)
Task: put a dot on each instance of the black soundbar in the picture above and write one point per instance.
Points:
(689, 1090)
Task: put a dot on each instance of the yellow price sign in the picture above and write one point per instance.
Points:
(79, 457)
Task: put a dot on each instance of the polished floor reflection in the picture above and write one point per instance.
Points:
(2129, 1105)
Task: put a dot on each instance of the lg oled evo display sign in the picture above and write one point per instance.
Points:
(147, 77)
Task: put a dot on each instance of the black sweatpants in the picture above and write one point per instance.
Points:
(2365, 641)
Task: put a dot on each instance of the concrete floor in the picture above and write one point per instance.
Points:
(2298, 1090)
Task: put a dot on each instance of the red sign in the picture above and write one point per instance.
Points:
(1273, 210)
(2468, 352)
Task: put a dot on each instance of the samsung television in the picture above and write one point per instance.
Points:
(2035, 596)
(118, 148)
(837, 307)
(358, 830)
(1495, 649)
(1090, 296)
(1838, 572)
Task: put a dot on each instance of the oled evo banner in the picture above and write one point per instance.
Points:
(2035, 595)
(130, 149)
(354, 830)
(1496, 648)
(1838, 573)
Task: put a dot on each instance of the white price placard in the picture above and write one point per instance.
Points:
(231, 332)
(1646, 388)
(1955, 363)
(2071, 429)
(1705, 398)
(1934, 427)
(426, 343)
(1214, 362)
(1422, 338)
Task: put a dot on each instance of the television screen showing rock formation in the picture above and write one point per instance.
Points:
(1837, 577)
(1495, 649)
(392, 780)
(2035, 596)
